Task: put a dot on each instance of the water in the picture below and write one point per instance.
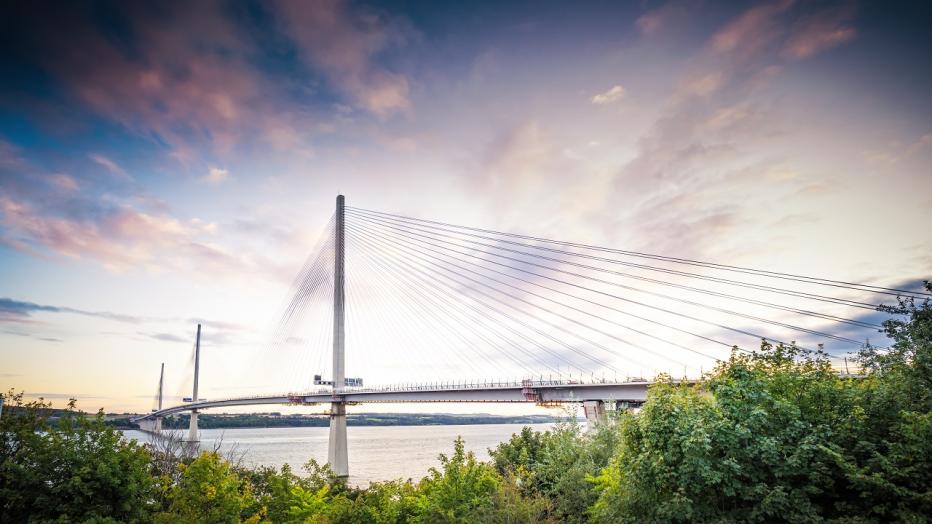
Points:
(376, 453)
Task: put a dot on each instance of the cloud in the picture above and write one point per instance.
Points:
(701, 85)
(662, 18)
(344, 43)
(710, 126)
(110, 228)
(15, 311)
(167, 337)
(18, 311)
(895, 152)
(614, 94)
(64, 182)
(216, 175)
(923, 142)
(183, 76)
(21, 313)
(649, 23)
(752, 32)
(818, 32)
(111, 166)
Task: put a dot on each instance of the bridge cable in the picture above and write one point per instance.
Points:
(308, 293)
(445, 322)
(404, 320)
(434, 235)
(760, 287)
(689, 302)
(607, 320)
(450, 300)
(712, 265)
(691, 318)
(537, 306)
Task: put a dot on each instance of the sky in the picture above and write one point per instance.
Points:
(165, 164)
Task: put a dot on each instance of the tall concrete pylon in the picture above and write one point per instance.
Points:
(338, 456)
(192, 429)
(158, 420)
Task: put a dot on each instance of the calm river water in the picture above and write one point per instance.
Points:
(375, 453)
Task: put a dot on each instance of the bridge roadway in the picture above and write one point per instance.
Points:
(541, 392)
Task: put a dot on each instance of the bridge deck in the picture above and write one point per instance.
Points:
(539, 392)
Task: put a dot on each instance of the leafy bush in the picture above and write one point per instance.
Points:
(79, 470)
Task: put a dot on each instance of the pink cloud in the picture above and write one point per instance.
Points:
(344, 43)
(649, 23)
(64, 183)
(819, 32)
(216, 175)
(189, 79)
(110, 165)
(662, 18)
(121, 239)
(753, 32)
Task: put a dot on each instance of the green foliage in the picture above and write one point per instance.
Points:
(455, 492)
(209, 492)
(79, 470)
(777, 436)
(559, 464)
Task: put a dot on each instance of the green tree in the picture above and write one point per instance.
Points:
(210, 492)
(455, 492)
(559, 464)
(778, 436)
(80, 469)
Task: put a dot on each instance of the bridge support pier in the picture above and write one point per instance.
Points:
(595, 411)
(337, 455)
(157, 426)
(192, 428)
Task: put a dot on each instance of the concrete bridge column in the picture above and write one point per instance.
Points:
(338, 456)
(192, 428)
(157, 426)
(595, 411)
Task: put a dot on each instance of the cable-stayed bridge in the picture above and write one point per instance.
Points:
(432, 303)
